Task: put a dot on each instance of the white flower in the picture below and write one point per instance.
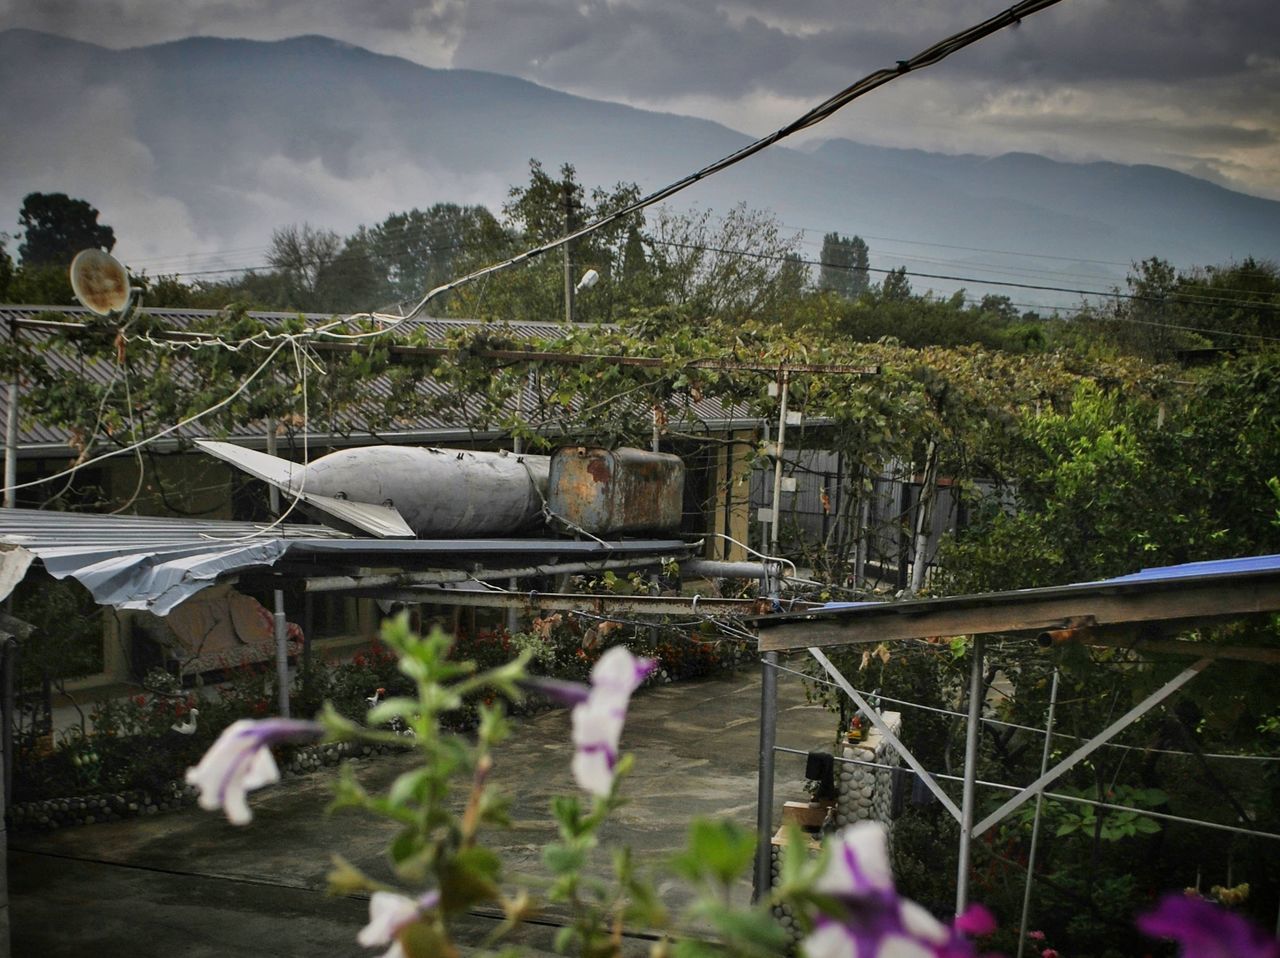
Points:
(390, 914)
(871, 920)
(240, 761)
(859, 863)
(597, 722)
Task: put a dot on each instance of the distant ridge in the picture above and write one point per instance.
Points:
(208, 144)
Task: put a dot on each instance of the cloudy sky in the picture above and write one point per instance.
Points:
(1189, 84)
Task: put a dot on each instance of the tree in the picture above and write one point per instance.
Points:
(6, 270)
(415, 251)
(302, 253)
(543, 210)
(844, 269)
(896, 288)
(741, 267)
(56, 227)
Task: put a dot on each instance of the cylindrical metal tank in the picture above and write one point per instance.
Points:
(611, 491)
(441, 493)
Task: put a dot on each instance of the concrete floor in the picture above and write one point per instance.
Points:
(189, 884)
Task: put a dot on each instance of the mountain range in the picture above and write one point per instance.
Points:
(196, 150)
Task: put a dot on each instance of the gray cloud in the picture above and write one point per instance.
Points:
(1180, 81)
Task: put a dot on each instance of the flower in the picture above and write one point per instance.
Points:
(240, 761)
(597, 722)
(1206, 931)
(976, 921)
(871, 920)
(389, 915)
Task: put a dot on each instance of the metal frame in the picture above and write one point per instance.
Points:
(1172, 598)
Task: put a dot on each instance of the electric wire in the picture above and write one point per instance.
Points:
(168, 430)
(818, 680)
(928, 57)
(1055, 796)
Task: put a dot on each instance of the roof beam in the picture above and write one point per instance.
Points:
(1184, 600)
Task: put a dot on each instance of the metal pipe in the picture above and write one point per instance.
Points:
(764, 792)
(769, 585)
(719, 569)
(347, 583)
(281, 626)
(11, 435)
(970, 774)
(1035, 825)
(571, 602)
(282, 653)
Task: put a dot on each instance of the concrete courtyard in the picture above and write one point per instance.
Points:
(188, 883)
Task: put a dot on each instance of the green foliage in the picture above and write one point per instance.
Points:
(844, 266)
(56, 227)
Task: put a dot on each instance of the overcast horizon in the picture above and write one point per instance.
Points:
(1193, 85)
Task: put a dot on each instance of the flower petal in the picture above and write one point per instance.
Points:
(859, 863)
(388, 913)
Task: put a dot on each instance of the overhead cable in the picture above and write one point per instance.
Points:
(928, 57)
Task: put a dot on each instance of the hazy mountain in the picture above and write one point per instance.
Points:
(203, 146)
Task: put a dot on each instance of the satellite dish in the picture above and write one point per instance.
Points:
(100, 282)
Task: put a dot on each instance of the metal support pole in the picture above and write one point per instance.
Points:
(8, 662)
(11, 436)
(775, 522)
(281, 625)
(764, 797)
(568, 263)
(1035, 825)
(768, 738)
(970, 775)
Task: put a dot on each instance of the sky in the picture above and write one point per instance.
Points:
(1189, 84)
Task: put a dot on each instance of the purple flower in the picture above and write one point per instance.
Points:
(1204, 930)
(240, 761)
(976, 921)
(597, 722)
(558, 690)
(872, 920)
(389, 915)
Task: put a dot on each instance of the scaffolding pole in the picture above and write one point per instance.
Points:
(1035, 825)
(970, 775)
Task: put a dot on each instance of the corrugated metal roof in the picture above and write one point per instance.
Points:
(425, 427)
(1150, 579)
(1243, 566)
(146, 563)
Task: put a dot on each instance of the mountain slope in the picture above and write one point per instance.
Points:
(206, 145)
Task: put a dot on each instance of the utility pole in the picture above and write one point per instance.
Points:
(568, 262)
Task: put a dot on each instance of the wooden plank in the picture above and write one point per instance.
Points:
(1189, 601)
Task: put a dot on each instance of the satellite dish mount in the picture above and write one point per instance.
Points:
(101, 284)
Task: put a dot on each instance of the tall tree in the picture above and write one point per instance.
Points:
(302, 254)
(55, 227)
(844, 267)
(415, 251)
(6, 270)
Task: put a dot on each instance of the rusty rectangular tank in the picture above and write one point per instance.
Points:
(617, 491)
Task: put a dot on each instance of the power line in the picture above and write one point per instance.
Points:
(1115, 294)
(928, 57)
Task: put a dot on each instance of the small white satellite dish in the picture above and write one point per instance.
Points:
(100, 282)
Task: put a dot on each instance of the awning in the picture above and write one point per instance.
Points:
(134, 562)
